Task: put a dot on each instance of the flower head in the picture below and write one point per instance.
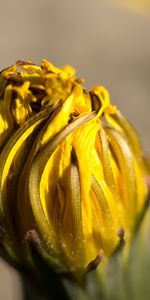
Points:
(71, 166)
(137, 5)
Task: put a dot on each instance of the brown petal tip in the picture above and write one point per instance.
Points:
(120, 233)
(33, 239)
(95, 263)
(121, 236)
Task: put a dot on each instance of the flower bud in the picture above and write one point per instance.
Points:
(72, 174)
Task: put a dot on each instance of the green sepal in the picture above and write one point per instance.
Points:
(128, 271)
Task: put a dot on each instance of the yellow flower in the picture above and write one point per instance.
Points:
(137, 5)
(71, 166)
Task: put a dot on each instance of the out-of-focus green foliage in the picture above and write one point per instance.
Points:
(128, 274)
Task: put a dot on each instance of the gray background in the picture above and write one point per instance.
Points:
(105, 43)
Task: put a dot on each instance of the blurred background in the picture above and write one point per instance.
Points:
(107, 43)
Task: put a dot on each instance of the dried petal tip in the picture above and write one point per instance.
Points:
(122, 241)
(120, 233)
(32, 237)
(95, 263)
